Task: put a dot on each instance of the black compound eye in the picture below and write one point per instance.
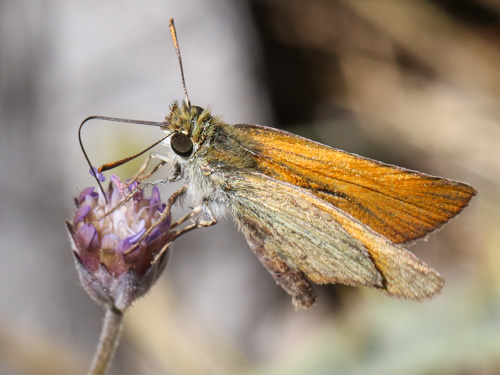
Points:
(182, 144)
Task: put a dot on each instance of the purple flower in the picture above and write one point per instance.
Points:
(116, 261)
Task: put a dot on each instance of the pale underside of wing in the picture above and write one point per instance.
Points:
(398, 203)
(318, 239)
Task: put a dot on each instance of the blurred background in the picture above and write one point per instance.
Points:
(413, 83)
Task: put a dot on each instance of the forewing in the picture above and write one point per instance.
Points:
(398, 203)
(317, 238)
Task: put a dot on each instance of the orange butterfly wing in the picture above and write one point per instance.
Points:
(398, 203)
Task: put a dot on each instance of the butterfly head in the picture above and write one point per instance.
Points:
(187, 125)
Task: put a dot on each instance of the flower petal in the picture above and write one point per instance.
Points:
(94, 172)
(136, 237)
(86, 238)
(110, 241)
(81, 213)
(120, 186)
(87, 192)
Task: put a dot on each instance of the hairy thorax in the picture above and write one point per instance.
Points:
(218, 148)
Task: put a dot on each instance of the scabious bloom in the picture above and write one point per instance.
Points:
(116, 263)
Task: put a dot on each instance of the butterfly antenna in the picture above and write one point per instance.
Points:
(115, 164)
(178, 52)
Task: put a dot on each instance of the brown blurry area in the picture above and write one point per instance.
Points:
(416, 82)
(410, 82)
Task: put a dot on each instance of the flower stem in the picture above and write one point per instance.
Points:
(108, 342)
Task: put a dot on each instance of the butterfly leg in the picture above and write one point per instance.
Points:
(142, 174)
(197, 223)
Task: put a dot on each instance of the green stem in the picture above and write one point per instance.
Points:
(108, 342)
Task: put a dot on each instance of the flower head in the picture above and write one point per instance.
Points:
(116, 261)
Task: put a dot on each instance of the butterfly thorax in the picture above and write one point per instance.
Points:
(217, 147)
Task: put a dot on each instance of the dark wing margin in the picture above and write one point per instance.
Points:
(294, 282)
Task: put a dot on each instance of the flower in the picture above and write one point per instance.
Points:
(115, 260)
